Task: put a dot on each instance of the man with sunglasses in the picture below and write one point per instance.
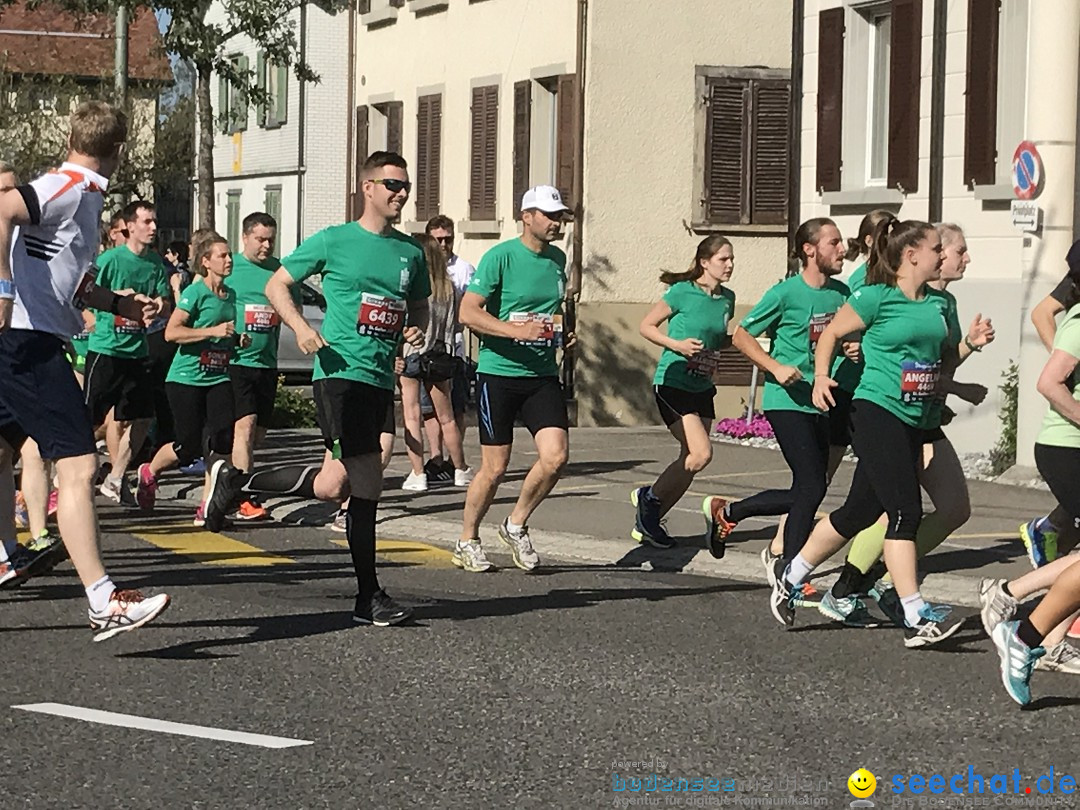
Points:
(377, 287)
(515, 303)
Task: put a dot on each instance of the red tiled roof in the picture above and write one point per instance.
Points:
(50, 41)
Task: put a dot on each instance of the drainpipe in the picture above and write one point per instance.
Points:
(795, 137)
(301, 161)
(937, 110)
(579, 188)
(350, 116)
(1076, 166)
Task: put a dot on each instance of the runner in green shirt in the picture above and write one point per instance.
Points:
(515, 303)
(696, 308)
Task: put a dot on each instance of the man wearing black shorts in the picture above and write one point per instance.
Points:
(514, 302)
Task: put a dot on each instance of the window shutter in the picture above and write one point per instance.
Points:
(980, 99)
(904, 79)
(485, 109)
(734, 368)
(770, 151)
(260, 81)
(428, 148)
(242, 96)
(522, 132)
(830, 95)
(397, 3)
(363, 6)
(281, 94)
(224, 115)
(726, 178)
(394, 115)
(360, 156)
(566, 137)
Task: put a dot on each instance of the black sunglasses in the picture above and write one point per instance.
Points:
(393, 185)
(444, 240)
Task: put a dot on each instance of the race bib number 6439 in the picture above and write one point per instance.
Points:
(380, 316)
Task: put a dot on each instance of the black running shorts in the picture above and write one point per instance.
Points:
(539, 401)
(254, 390)
(840, 419)
(352, 415)
(675, 403)
(123, 383)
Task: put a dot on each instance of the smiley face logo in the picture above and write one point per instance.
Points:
(862, 784)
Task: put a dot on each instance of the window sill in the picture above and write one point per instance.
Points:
(1000, 192)
(422, 6)
(480, 227)
(272, 125)
(414, 227)
(869, 197)
(736, 228)
(379, 16)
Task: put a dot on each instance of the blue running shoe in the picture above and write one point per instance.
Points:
(1017, 661)
(1040, 540)
(197, 467)
(648, 524)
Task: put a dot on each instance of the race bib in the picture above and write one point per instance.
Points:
(918, 381)
(125, 326)
(380, 317)
(550, 338)
(817, 327)
(705, 363)
(260, 318)
(214, 361)
(86, 286)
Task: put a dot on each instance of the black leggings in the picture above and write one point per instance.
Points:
(804, 441)
(204, 419)
(1060, 468)
(886, 478)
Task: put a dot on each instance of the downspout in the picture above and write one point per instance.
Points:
(577, 265)
(795, 135)
(937, 111)
(1076, 166)
(301, 164)
(350, 116)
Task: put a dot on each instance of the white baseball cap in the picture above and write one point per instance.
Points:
(545, 198)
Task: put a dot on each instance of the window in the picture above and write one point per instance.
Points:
(522, 133)
(482, 162)
(273, 79)
(744, 116)
(877, 141)
(232, 100)
(272, 206)
(384, 132)
(232, 209)
(428, 155)
(550, 115)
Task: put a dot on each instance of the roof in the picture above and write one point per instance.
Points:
(50, 41)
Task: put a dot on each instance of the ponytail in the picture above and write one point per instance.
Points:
(857, 247)
(891, 237)
(706, 249)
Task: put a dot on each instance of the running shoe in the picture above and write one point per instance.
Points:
(415, 482)
(437, 473)
(111, 489)
(197, 467)
(1062, 657)
(768, 559)
(200, 516)
(221, 495)
(249, 510)
(996, 606)
(525, 557)
(146, 488)
(54, 501)
(848, 610)
(22, 515)
(50, 551)
(126, 611)
(462, 478)
(13, 569)
(782, 601)
(340, 523)
(380, 610)
(888, 602)
(717, 527)
(934, 625)
(127, 497)
(648, 525)
(1040, 539)
(1074, 631)
(1017, 661)
(470, 557)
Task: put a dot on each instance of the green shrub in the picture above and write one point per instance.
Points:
(292, 409)
(1003, 456)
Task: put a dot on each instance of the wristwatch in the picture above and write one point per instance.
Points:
(7, 289)
(970, 345)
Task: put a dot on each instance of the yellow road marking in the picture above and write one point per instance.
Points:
(409, 551)
(209, 548)
(740, 474)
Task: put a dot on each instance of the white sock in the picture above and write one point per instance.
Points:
(115, 480)
(512, 527)
(912, 605)
(99, 593)
(798, 570)
(7, 548)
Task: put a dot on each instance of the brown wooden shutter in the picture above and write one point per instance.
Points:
(360, 156)
(735, 368)
(428, 153)
(522, 132)
(830, 98)
(726, 180)
(904, 82)
(770, 151)
(566, 137)
(980, 102)
(395, 112)
(485, 122)
(363, 6)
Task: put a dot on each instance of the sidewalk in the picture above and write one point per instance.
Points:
(587, 519)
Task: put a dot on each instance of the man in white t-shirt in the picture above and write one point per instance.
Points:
(46, 277)
(441, 229)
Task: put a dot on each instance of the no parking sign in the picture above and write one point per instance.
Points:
(1026, 171)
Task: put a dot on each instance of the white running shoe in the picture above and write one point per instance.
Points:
(996, 606)
(462, 478)
(1063, 657)
(416, 482)
(470, 557)
(126, 611)
(111, 489)
(525, 557)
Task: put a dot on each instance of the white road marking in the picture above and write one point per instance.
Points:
(162, 726)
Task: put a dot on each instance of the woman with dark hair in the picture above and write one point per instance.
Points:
(696, 307)
(859, 248)
(908, 346)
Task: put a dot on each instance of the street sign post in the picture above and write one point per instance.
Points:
(1026, 171)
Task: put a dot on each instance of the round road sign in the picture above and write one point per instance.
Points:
(1026, 171)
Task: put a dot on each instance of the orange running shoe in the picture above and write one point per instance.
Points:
(251, 511)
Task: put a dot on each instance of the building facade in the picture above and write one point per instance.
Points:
(917, 106)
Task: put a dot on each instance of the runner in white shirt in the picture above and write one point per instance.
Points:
(45, 277)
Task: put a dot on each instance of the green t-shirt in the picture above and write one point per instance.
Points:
(947, 301)
(1058, 430)
(847, 373)
(205, 362)
(519, 285)
(857, 279)
(902, 347)
(120, 269)
(368, 280)
(254, 315)
(694, 314)
(794, 315)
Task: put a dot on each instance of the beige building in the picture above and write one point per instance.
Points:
(684, 132)
(918, 106)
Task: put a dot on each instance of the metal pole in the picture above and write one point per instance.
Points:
(753, 396)
(120, 70)
(937, 110)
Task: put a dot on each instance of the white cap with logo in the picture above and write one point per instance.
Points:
(544, 198)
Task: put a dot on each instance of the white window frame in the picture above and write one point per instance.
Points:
(874, 19)
(1012, 89)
